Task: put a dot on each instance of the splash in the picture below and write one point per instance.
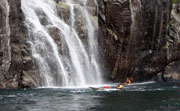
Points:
(72, 63)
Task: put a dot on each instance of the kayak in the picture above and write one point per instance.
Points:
(96, 89)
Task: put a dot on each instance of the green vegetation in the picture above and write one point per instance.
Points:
(112, 33)
(169, 24)
(175, 1)
(145, 33)
(63, 5)
(166, 45)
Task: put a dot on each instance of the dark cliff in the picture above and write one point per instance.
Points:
(16, 65)
(172, 70)
(10, 40)
(141, 39)
(138, 39)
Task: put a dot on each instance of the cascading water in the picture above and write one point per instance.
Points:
(75, 62)
(8, 32)
(93, 43)
(7, 48)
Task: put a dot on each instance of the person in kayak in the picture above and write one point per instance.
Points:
(128, 81)
(120, 86)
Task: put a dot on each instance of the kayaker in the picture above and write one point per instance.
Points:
(128, 81)
(120, 86)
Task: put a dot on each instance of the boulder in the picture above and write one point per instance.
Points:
(29, 79)
(63, 11)
(172, 72)
(55, 34)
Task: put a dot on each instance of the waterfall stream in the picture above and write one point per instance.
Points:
(75, 61)
(8, 32)
(6, 48)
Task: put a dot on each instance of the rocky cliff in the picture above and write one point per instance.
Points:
(10, 39)
(172, 70)
(15, 57)
(138, 39)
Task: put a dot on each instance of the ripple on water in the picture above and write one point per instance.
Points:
(152, 97)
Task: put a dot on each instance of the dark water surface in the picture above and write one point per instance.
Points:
(135, 97)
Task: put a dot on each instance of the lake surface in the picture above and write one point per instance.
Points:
(148, 96)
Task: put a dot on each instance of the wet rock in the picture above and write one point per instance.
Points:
(28, 80)
(2, 85)
(27, 58)
(114, 25)
(5, 57)
(172, 72)
(15, 85)
(10, 83)
(10, 40)
(80, 24)
(24, 52)
(138, 39)
(173, 45)
(173, 40)
(27, 65)
(55, 34)
(92, 3)
(15, 51)
(134, 36)
(64, 11)
(43, 19)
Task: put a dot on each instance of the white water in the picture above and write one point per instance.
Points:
(6, 9)
(93, 43)
(78, 64)
(8, 31)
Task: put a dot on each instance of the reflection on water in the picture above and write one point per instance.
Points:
(134, 97)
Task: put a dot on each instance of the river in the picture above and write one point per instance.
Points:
(147, 96)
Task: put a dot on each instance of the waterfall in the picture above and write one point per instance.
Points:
(8, 32)
(73, 62)
(6, 8)
(93, 42)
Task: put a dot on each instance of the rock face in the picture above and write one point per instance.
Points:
(11, 61)
(4, 39)
(15, 59)
(137, 40)
(172, 70)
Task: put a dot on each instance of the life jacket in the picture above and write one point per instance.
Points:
(127, 82)
(120, 86)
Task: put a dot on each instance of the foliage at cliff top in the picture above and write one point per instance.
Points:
(63, 5)
(175, 1)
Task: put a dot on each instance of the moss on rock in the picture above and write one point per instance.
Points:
(63, 5)
(175, 1)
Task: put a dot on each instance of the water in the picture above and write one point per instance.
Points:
(77, 63)
(7, 56)
(147, 96)
(8, 31)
